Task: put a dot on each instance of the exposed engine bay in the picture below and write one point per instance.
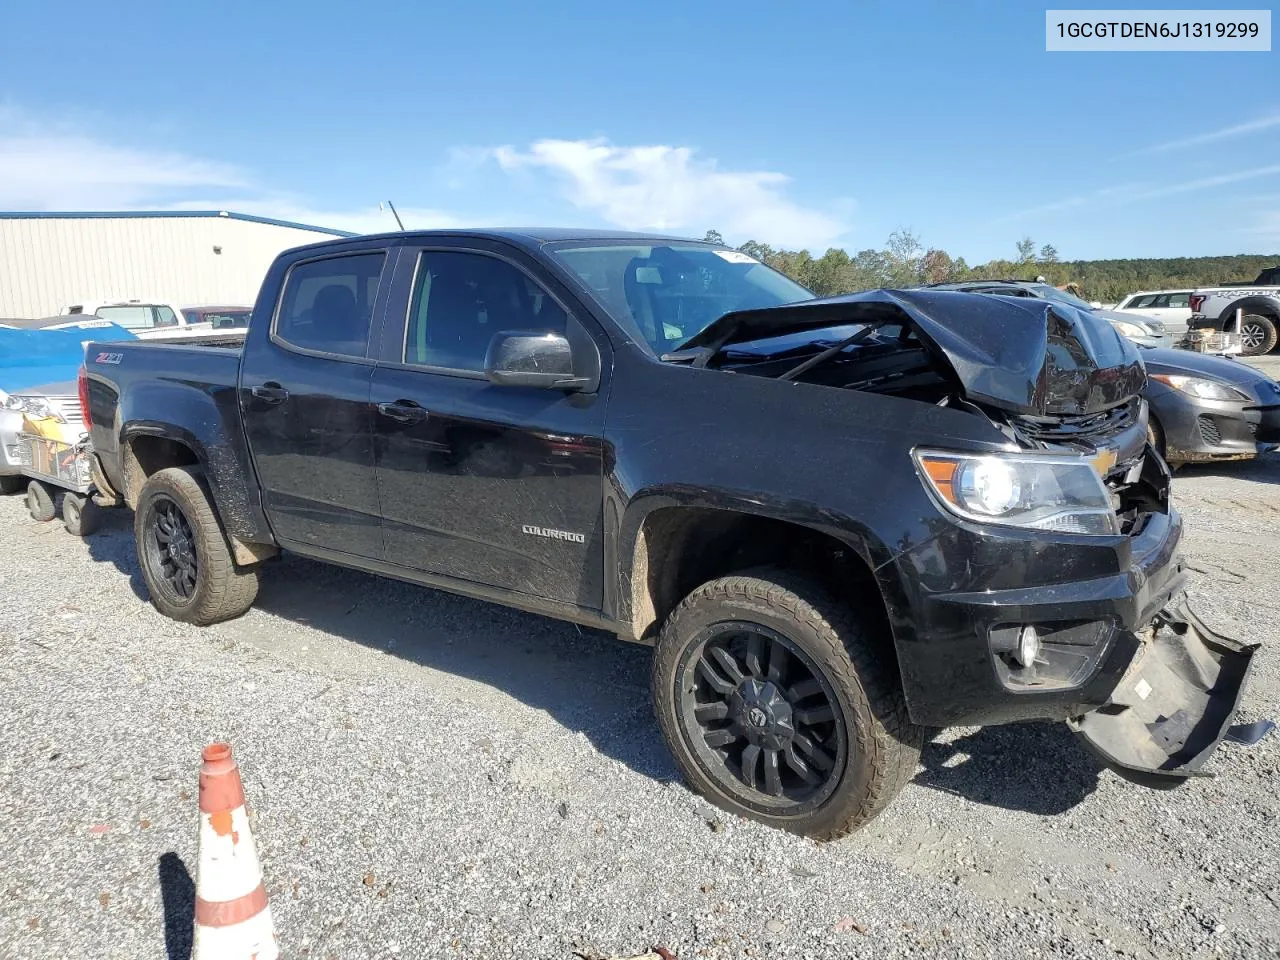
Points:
(1048, 377)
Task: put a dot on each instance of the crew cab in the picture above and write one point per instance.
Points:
(840, 522)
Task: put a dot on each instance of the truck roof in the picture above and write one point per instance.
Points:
(531, 237)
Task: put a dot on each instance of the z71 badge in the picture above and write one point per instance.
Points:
(113, 358)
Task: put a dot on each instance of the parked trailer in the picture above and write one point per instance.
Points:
(57, 467)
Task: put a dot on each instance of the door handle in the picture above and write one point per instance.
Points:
(403, 411)
(270, 392)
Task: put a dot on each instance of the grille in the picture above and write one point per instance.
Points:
(1082, 427)
(1209, 432)
(69, 407)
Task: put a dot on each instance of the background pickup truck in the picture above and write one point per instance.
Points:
(1256, 305)
(840, 522)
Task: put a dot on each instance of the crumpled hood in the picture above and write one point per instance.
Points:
(1028, 356)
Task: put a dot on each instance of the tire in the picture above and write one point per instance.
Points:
(80, 515)
(1155, 436)
(40, 502)
(10, 485)
(185, 559)
(831, 670)
(1258, 334)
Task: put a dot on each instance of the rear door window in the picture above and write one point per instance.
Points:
(327, 305)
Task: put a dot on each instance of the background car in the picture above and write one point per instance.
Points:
(146, 319)
(1204, 408)
(38, 366)
(1170, 307)
(219, 318)
(1141, 330)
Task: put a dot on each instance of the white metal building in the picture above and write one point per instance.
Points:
(188, 258)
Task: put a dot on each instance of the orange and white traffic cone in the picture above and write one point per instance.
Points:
(233, 921)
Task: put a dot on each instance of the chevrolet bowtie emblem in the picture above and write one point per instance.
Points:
(1104, 461)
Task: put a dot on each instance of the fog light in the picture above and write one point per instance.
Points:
(1028, 646)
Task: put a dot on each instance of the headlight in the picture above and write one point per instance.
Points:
(1064, 494)
(38, 408)
(1130, 330)
(1200, 387)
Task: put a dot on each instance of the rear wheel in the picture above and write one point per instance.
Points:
(184, 555)
(80, 515)
(40, 502)
(776, 704)
(1258, 334)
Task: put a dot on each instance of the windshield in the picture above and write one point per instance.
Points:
(666, 293)
(1053, 293)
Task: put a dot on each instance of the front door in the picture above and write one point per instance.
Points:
(497, 485)
(304, 396)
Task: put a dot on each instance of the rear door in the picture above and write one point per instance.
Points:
(304, 397)
(497, 485)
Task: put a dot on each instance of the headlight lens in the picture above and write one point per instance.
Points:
(1130, 330)
(38, 408)
(1064, 494)
(1200, 387)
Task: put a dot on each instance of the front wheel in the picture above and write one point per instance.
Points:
(777, 705)
(10, 484)
(184, 555)
(1258, 335)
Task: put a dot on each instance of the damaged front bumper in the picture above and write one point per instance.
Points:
(1174, 705)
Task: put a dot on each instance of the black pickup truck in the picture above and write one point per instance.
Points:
(841, 522)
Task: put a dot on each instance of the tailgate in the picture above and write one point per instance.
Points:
(1174, 705)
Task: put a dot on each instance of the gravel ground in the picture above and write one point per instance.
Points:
(436, 777)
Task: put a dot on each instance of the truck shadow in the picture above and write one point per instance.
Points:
(1035, 767)
(587, 680)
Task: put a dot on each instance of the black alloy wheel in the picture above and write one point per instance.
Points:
(761, 718)
(170, 549)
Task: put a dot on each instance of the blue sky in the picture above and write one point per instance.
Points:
(816, 124)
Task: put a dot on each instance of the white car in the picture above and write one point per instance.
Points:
(1170, 307)
(145, 319)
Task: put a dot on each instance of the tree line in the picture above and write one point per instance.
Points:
(905, 262)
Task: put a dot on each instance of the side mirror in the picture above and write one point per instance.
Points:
(529, 359)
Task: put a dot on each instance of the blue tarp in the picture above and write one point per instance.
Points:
(32, 358)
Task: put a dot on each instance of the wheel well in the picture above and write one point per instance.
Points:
(680, 548)
(145, 456)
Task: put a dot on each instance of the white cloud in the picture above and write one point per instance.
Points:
(78, 173)
(48, 166)
(1136, 193)
(670, 188)
(1213, 136)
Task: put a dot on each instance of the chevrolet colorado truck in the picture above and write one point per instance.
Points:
(839, 522)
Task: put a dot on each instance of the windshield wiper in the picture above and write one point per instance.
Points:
(825, 355)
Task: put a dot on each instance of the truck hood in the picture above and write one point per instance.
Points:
(1027, 356)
